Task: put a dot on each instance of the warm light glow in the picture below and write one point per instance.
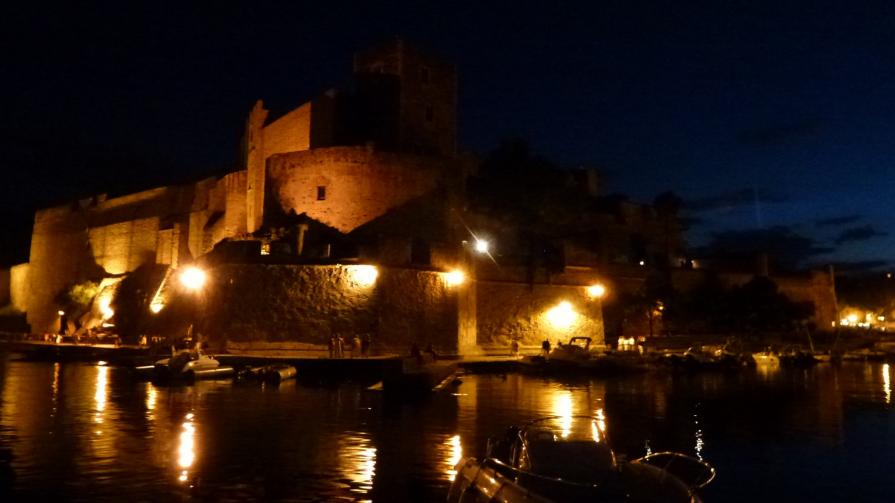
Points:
(562, 316)
(482, 246)
(193, 278)
(454, 278)
(642, 263)
(852, 318)
(455, 448)
(596, 291)
(60, 312)
(601, 423)
(186, 450)
(562, 407)
(357, 461)
(156, 307)
(887, 385)
(151, 397)
(105, 308)
(363, 275)
(102, 379)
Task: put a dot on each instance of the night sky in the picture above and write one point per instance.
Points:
(772, 116)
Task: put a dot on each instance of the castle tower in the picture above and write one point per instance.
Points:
(255, 164)
(407, 99)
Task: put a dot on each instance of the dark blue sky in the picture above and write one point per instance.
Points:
(758, 114)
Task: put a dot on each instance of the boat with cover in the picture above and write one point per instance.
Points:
(567, 458)
(190, 364)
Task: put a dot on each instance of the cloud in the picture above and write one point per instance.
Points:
(732, 199)
(861, 266)
(783, 244)
(862, 233)
(781, 134)
(836, 221)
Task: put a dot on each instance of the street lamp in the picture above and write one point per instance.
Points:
(193, 278)
(482, 246)
(596, 291)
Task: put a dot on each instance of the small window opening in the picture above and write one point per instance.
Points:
(321, 192)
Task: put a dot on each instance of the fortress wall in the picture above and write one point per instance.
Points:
(60, 254)
(95, 237)
(417, 307)
(306, 304)
(234, 185)
(360, 184)
(122, 247)
(18, 286)
(289, 133)
(818, 289)
(509, 310)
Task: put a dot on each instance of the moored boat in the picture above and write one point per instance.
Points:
(274, 373)
(188, 365)
(568, 459)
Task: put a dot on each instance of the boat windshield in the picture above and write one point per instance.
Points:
(575, 460)
(571, 448)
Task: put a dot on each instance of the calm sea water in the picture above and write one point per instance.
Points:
(87, 432)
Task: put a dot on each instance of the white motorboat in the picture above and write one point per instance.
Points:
(576, 350)
(567, 459)
(191, 364)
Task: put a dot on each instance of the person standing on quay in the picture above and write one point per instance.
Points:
(365, 345)
(545, 347)
(356, 345)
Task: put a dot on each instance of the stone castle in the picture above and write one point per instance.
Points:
(345, 182)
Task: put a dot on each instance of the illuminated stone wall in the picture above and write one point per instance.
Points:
(360, 184)
(289, 133)
(510, 310)
(102, 237)
(418, 307)
(290, 303)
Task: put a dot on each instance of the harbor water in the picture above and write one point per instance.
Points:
(75, 431)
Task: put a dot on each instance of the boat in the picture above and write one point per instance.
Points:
(274, 373)
(188, 364)
(576, 350)
(766, 358)
(564, 458)
(797, 357)
(709, 358)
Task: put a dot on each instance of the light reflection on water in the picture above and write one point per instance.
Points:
(357, 461)
(186, 449)
(887, 387)
(220, 441)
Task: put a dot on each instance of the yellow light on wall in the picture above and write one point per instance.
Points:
(562, 316)
(596, 291)
(193, 278)
(852, 318)
(454, 278)
(156, 307)
(105, 308)
(363, 275)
